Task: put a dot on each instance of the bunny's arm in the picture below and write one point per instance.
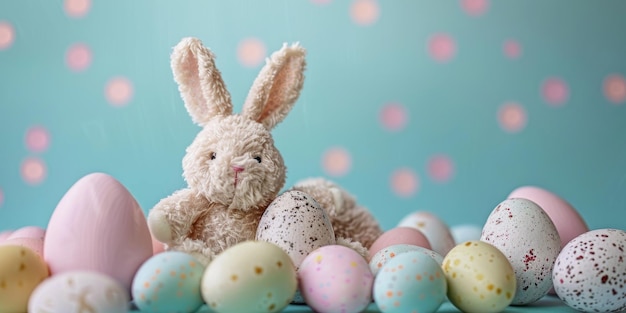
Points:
(172, 218)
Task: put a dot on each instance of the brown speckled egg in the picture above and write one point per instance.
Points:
(295, 222)
(590, 272)
(527, 237)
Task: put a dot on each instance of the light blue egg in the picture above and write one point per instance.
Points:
(168, 282)
(410, 282)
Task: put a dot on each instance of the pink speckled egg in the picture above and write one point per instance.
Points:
(29, 232)
(590, 272)
(4, 235)
(435, 230)
(399, 235)
(336, 278)
(567, 220)
(98, 226)
(527, 237)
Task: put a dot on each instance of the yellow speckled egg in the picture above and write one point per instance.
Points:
(21, 271)
(252, 276)
(480, 278)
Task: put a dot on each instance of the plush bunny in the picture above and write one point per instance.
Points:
(232, 168)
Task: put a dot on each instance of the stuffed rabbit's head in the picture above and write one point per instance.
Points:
(233, 160)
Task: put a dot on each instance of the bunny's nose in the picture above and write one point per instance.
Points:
(237, 168)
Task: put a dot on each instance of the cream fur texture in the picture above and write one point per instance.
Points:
(232, 168)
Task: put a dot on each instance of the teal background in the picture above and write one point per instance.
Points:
(576, 149)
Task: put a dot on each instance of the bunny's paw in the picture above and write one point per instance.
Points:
(160, 227)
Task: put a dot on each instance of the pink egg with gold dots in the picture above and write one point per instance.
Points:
(336, 278)
(168, 282)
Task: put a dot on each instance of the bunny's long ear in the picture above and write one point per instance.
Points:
(199, 81)
(277, 87)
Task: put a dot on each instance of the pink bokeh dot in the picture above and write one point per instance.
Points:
(404, 182)
(251, 52)
(512, 49)
(119, 91)
(33, 171)
(474, 7)
(441, 47)
(615, 88)
(7, 35)
(77, 8)
(512, 117)
(78, 57)
(393, 116)
(364, 12)
(555, 91)
(440, 168)
(37, 139)
(336, 161)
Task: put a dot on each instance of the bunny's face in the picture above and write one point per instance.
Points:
(233, 162)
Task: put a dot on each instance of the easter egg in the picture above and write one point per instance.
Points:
(435, 230)
(399, 235)
(21, 271)
(383, 256)
(335, 279)
(566, 219)
(295, 222)
(102, 227)
(168, 282)
(34, 244)
(79, 291)
(4, 235)
(590, 272)
(528, 238)
(252, 276)
(480, 278)
(410, 282)
(28, 232)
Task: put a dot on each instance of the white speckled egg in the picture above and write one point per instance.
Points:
(435, 230)
(410, 282)
(168, 282)
(336, 279)
(252, 276)
(383, 256)
(79, 291)
(528, 238)
(480, 278)
(590, 272)
(297, 223)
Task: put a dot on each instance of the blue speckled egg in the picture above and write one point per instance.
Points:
(168, 282)
(410, 282)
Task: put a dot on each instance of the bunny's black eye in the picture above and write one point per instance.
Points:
(258, 159)
(212, 155)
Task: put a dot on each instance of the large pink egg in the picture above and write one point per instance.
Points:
(569, 224)
(98, 226)
(399, 235)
